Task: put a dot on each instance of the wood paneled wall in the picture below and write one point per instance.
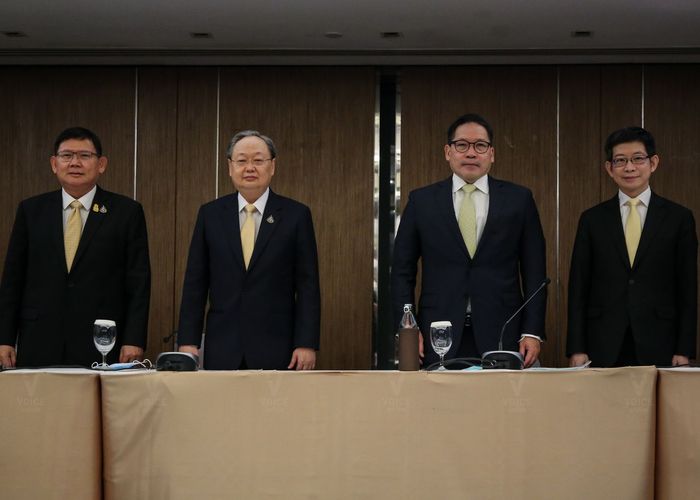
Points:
(550, 126)
(165, 131)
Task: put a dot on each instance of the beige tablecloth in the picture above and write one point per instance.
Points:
(678, 435)
(51, 435)
(335, 435)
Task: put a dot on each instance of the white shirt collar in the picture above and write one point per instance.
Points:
(644, 197)
(482, 183)
(85, 200)
(259, 203)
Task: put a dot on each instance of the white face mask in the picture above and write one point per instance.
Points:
(146, 363)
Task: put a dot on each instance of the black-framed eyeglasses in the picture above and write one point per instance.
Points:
(635, 160)
(67, 156)
(257, 162)
(462, 146)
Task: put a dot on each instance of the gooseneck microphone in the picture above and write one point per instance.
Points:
(512, 360)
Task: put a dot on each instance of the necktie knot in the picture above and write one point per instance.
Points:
(633, 202)
(468, 188)
(76, 204)
(250, 209)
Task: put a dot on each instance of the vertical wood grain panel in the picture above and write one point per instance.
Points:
(156, 189)
(672, 104)
(321, 120)
(195, 164)
(580, 170)
(520, 103)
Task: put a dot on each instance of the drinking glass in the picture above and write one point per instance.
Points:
(104, 333)
(441, 339)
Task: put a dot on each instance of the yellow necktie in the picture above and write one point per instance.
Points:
(467, 218)
(248, 234)
(633, 229)
(71, 236)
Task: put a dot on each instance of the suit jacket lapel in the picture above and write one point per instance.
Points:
(496, 202)
(613, 227)
(93, 223)
(55, 216)
(446, 209)
(270, 221)
(653, 222)
(232, 228)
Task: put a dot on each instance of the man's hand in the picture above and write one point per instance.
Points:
(529, 350)
(130, 353)
(189, 349)
(680, 360)
(8, 356)
(578, 359)
(303, 358)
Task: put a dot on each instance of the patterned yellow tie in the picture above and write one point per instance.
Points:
(248, 234)
(633, 229)
(71, 236)
(467, 219)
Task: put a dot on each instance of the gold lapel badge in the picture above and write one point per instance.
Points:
(270, 220)
(95, 208)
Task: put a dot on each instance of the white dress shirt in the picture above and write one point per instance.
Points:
(642, 207)
(480, 197)
(257, 215)
(86, 201)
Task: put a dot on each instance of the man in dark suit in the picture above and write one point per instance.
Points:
(71, 263)
(633, 277)
(482, 250)
(253, 255)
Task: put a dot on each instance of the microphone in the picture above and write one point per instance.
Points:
(512, 360)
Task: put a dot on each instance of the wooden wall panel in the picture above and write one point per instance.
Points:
(520, 103)
(580, 170)
(195, 163)
(321, 120)
(156, 189)
(672, 102)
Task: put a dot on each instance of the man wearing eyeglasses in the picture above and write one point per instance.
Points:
(253, 257)
(75, 255)
(481, 248)
(633, 276)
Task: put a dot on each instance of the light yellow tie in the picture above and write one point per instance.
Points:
(467, 218)
(248, 234)
(71, 236)
(633, 229)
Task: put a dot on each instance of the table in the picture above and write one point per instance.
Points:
(560, 434)
(51, 435)
(678, 434)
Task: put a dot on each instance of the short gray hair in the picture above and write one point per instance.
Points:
(251, 133)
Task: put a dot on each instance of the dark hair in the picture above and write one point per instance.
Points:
(469, 118)
(79, 133)
(630, 134)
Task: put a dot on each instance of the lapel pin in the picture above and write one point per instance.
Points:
(95, 208)
(270, 220)
(103, 210)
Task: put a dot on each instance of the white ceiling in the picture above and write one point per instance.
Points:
(269, 31)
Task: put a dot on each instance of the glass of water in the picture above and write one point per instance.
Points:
(104, 333)
(441, 339)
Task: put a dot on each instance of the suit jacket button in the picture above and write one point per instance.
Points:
(631, 282)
